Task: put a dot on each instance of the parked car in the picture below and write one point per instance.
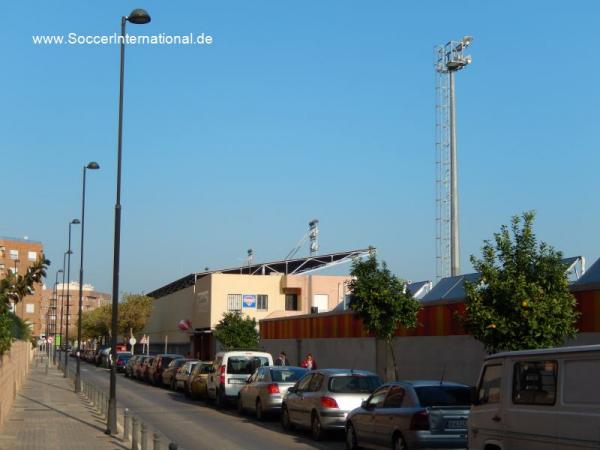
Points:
(196, 386)
(168, 375)
(122, 359)
(105, 357)
(230, 371)
(411, 414)
(144, 367)
(98, 354)
(159, 363)
(129, 367)
(538, 399)
(322, 399)
(264, 390)
(183, 374)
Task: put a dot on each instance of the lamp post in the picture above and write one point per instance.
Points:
(69, 253)
(62, 300)
(139, 17)
(55, 318)
(92, 166)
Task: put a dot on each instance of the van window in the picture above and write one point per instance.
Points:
(534, 383)
(245, 365)
(489, 388)
(579, 376)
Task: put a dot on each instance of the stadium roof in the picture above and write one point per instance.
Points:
(285, 267)
(452, 289)
(589, 280)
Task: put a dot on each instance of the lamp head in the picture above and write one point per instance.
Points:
(69, 252)
(139, 16)
(93, 165)
(466, 41)
(75, 222)
(60, 271)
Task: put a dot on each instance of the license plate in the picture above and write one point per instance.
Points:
(456, 424)
(236, 381)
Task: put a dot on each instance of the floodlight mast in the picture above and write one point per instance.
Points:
(449, 59)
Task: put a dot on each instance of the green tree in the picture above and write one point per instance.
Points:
(236, 331)
(381, 301)
(96, 323)
(13, 288)
(134, 311)
(522, 300)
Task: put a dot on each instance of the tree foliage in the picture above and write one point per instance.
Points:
(134, 311)
(237, 331)
(13, 289)
(522, 300)
(381, 300)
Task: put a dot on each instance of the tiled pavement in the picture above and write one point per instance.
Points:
(48, 415)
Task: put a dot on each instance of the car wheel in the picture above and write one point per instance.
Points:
(351, 442)
(315, 427)
(259, 410)
(172, 384)
(286, 422)
(399, 443)
(240, 407)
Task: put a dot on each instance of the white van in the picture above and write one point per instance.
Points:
(538, 399)
(230, 371)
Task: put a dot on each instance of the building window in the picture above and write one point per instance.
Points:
(262, 302)
(32, 256)
(14, 254)
(291, 302)
(29, 308)
(234, 302)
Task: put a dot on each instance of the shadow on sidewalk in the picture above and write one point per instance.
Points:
(102, 430)
(50, 384)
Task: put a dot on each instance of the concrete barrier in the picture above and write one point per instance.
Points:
(14, 366)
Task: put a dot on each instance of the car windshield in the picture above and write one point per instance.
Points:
(354, 384)
(287, 375)
(245, 365)
(443, 395)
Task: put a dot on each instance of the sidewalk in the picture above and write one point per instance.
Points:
(47, 414)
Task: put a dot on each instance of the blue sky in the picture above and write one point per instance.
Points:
(297, 110)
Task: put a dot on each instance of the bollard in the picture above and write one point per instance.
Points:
(126, 424)
(173, 446)
(144, 437)
(134, 433)
(46, 366)
(156, 441)
(102, 403)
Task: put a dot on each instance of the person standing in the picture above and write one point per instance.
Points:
(281, 359)
(309, 362)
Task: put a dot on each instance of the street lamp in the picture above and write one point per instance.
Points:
(62, 301)
(92, 166)
(69, 253)
(55, 312)
(139, 17)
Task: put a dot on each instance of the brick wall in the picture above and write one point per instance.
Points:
(14, 365)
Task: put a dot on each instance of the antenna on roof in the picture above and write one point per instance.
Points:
(443, 374)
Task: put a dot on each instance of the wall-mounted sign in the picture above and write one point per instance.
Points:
(248, 301)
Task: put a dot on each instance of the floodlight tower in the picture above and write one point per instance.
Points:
(449, 59)
(313, 234)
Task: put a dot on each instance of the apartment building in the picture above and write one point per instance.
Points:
(16, 255)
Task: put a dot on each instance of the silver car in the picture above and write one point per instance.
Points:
(183, 374)
(322, 399)
(411, 415)
(264, 390)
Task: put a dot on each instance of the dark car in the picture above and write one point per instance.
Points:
(129, 367)
(122, 359)
(143, 368)
(168, 375)
(160, 363)
(411, 414)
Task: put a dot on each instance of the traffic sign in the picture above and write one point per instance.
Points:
(132, 341)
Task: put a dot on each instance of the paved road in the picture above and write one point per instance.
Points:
(194, 425)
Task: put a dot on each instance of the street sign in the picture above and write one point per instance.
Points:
(132, 341)
(249, 301)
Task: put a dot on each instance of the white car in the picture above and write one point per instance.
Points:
(230, 371)
(538, 400)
